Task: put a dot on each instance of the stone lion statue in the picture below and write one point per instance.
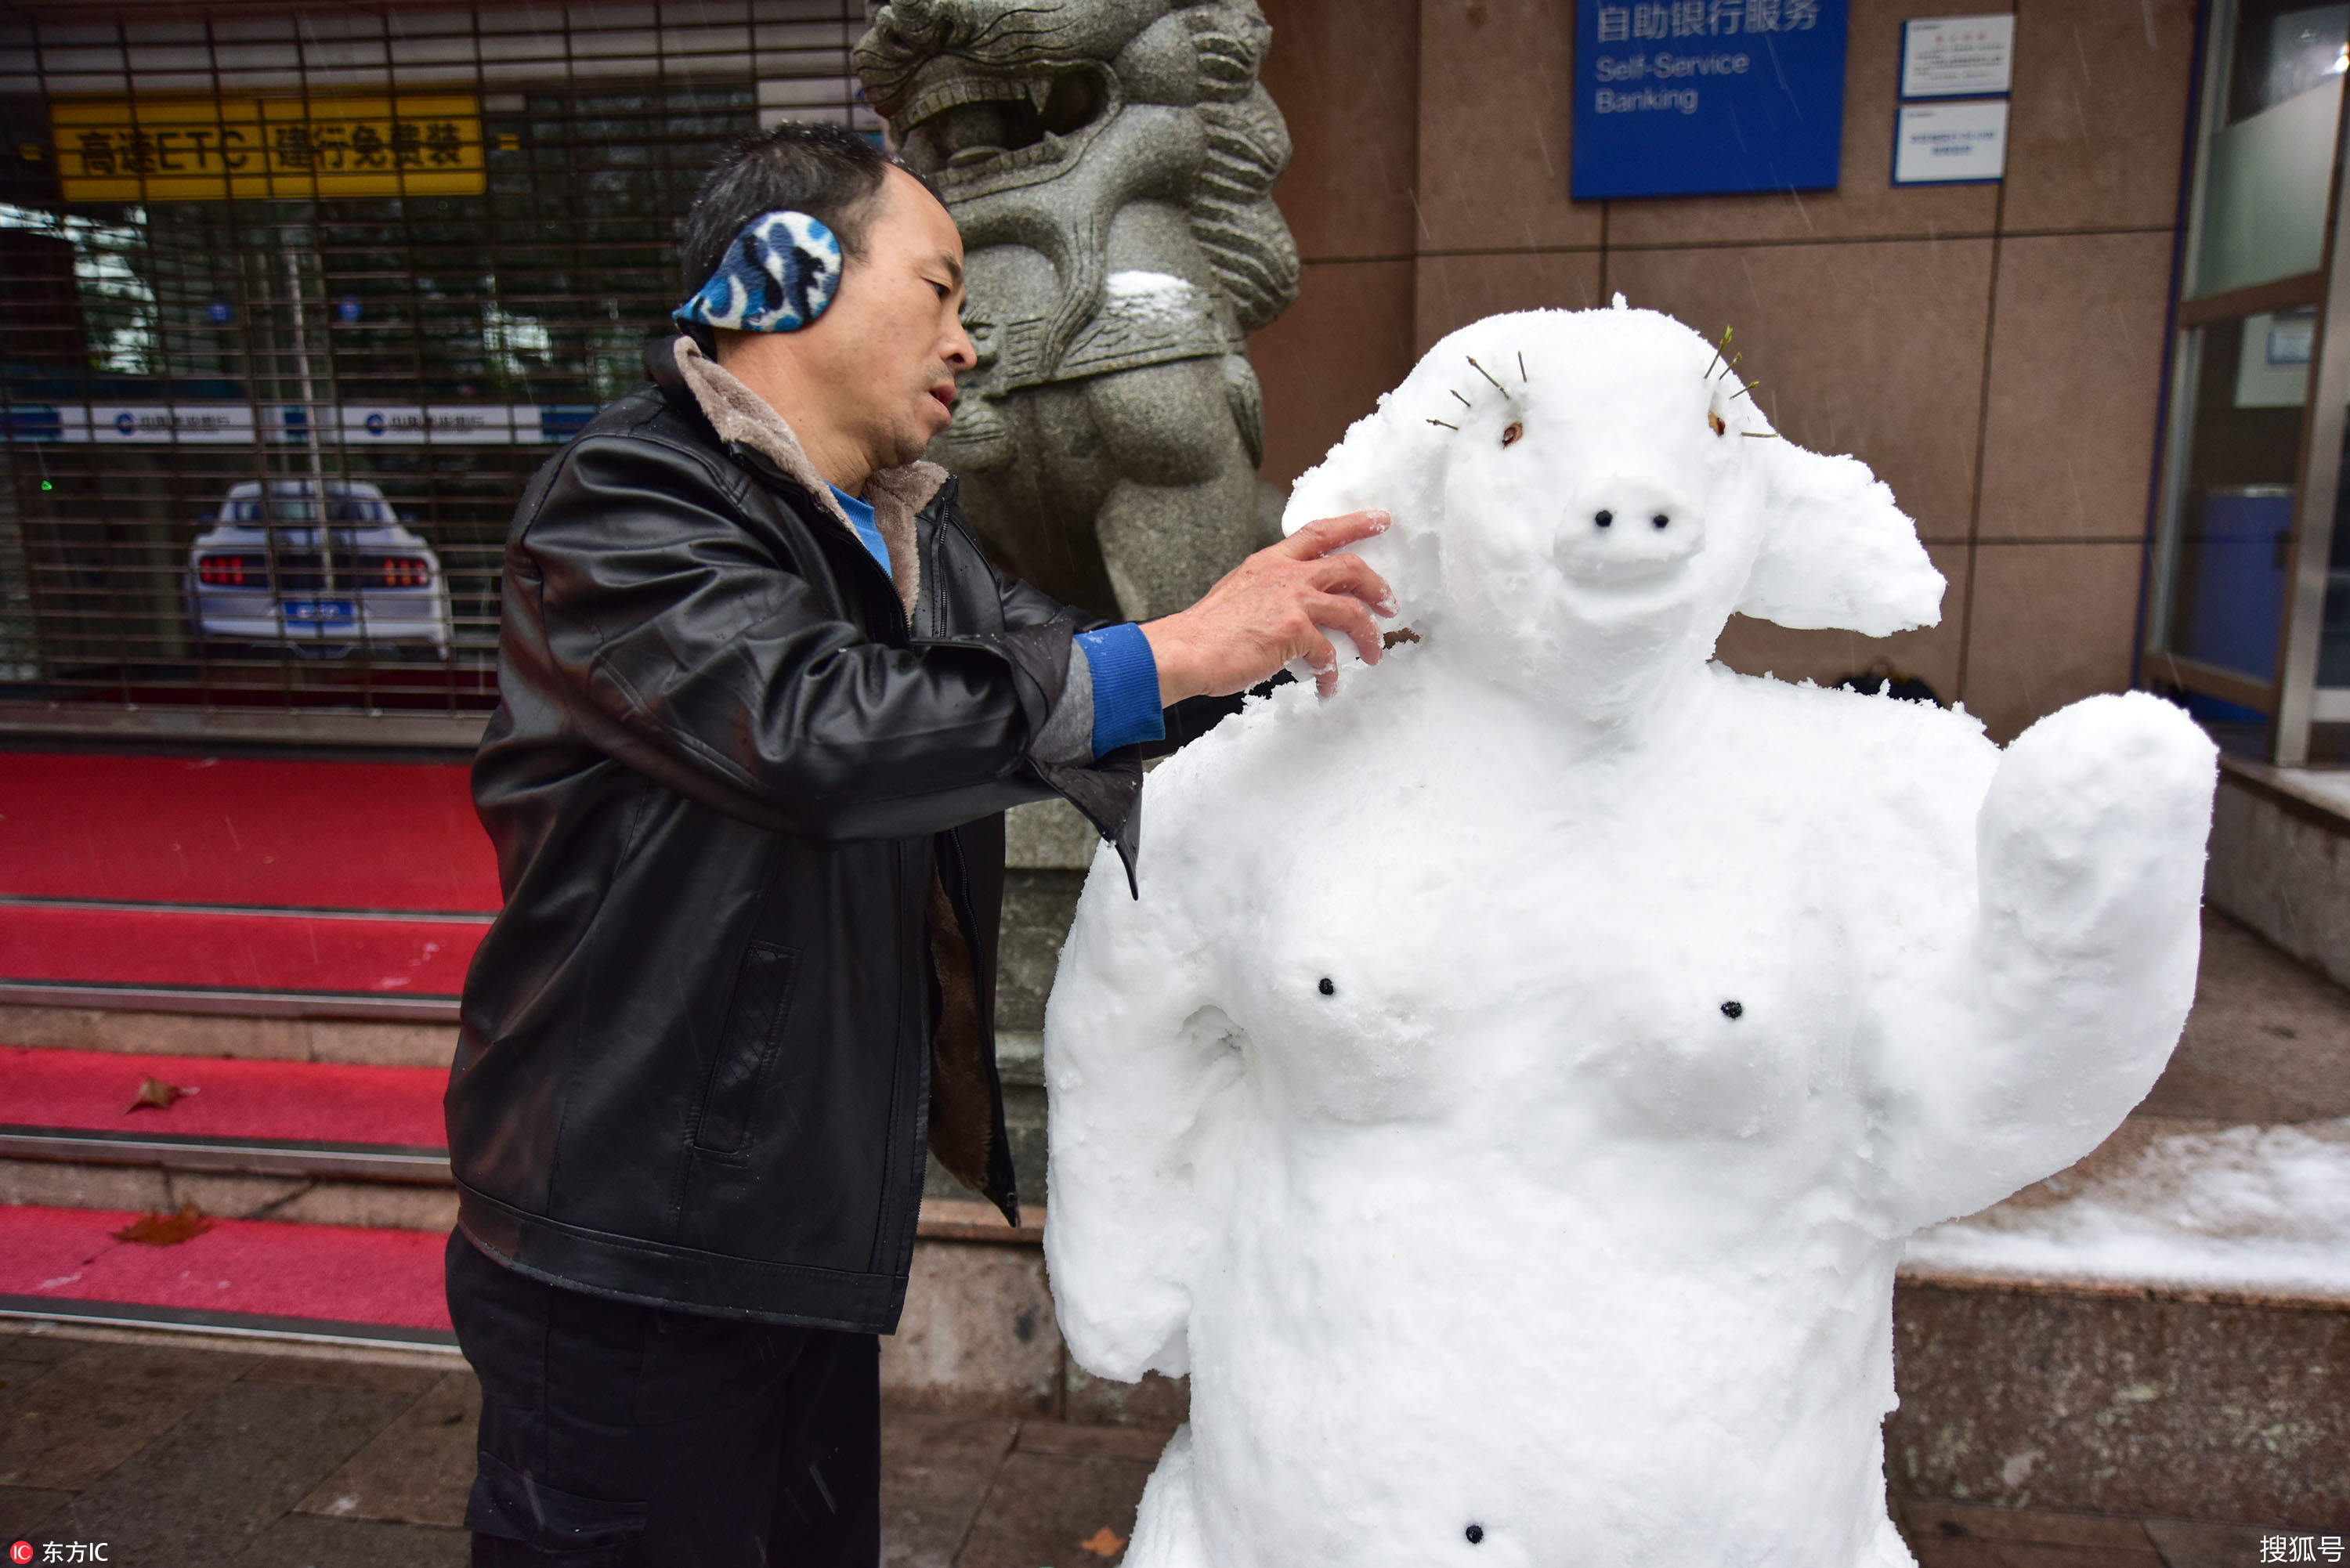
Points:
(1109, 163)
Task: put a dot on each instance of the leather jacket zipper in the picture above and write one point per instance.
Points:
(982, 986)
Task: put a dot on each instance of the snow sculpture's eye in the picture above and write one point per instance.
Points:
(1603, 518)
(1325, 987)
(1733, 1009)
(1513, 433)
(1661, 521)
(1715, 421)
(1475, 1533)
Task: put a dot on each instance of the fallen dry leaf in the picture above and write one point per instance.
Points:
(153, 1093)
(166, 1229)
(1105, 1542)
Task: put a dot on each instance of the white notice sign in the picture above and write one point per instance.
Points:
(1955, 56)
(1950, 143)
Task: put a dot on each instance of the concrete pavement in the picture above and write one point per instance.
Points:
(183, 1452)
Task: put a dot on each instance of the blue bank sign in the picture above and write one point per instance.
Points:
(1696, 97)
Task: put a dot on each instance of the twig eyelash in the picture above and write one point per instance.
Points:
(1463, 401)
(1718, 348)
(1482, 371)
(1454, 429)
(1522, 366)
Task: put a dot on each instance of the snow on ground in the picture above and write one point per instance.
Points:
(2263, 1208)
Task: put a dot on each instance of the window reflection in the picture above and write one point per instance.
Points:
(2232, 517)
(531, 301)
(2270, 158)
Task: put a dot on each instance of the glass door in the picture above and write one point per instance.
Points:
(2244, 620)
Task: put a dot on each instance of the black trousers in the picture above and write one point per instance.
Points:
(615, 1436)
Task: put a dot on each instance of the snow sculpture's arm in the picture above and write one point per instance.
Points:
(1131, 1056)
(2058, 1016)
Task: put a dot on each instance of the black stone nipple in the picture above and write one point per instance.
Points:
(1475, 1533)
(1733, 1009)
(1604, 518)
(1661, 520)
(1325, 987)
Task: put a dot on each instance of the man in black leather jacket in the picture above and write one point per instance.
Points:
(764, 701)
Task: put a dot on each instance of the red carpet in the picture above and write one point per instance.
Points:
(198, 843)
(197, 830)
(314, 1102)
(297, 953)
(335, 1272)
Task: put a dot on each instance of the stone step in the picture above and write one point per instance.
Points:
(242, 961)
(1051, 845)
(307, 1141)
(977, 1334)
(283, 1037)
(2280, 849)
(2163, 1329)
(2121, 1398)
(315, 1142)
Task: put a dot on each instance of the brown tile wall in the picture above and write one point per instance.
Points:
(1994, 352)
(1346, 74)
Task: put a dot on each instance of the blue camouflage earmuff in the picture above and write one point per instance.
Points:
(779, 273)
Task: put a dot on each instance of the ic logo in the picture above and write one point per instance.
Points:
(21, 1552)
(128, 423)
(375, 423)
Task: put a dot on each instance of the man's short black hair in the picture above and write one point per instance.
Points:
(828, 172)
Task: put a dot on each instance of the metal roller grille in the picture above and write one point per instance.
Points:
(342, 281)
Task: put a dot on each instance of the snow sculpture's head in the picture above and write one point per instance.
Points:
(1582, 498)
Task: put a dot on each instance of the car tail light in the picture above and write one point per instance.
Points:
(231, 571)
(400, 572)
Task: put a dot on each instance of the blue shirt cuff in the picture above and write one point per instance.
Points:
(1126, 687)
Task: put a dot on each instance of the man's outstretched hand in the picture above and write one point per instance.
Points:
(1272, 609)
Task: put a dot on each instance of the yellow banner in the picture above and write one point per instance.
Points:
(209, 150)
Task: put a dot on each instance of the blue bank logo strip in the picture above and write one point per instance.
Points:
(1695, 98)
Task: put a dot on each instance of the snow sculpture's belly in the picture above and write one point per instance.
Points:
(1558, 1239)
(1391, 1361)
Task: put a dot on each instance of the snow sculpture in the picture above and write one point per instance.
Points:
(1508, 1098)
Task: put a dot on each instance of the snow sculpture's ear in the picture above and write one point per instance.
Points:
(1836, 551)
(1390, 462)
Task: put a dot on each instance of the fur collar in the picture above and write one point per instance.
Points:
(898, 495)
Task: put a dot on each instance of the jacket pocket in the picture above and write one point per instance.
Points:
(747, 1044)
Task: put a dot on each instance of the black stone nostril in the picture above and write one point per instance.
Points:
(1661, 520)
(1733, 1009)
(1604, 518)
(1326, 987)
(1475, 1533)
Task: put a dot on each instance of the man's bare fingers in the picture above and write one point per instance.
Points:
(1325, 535)
(1340, 612)
(1317, 650)
(1350, 574)
(1322, 659)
